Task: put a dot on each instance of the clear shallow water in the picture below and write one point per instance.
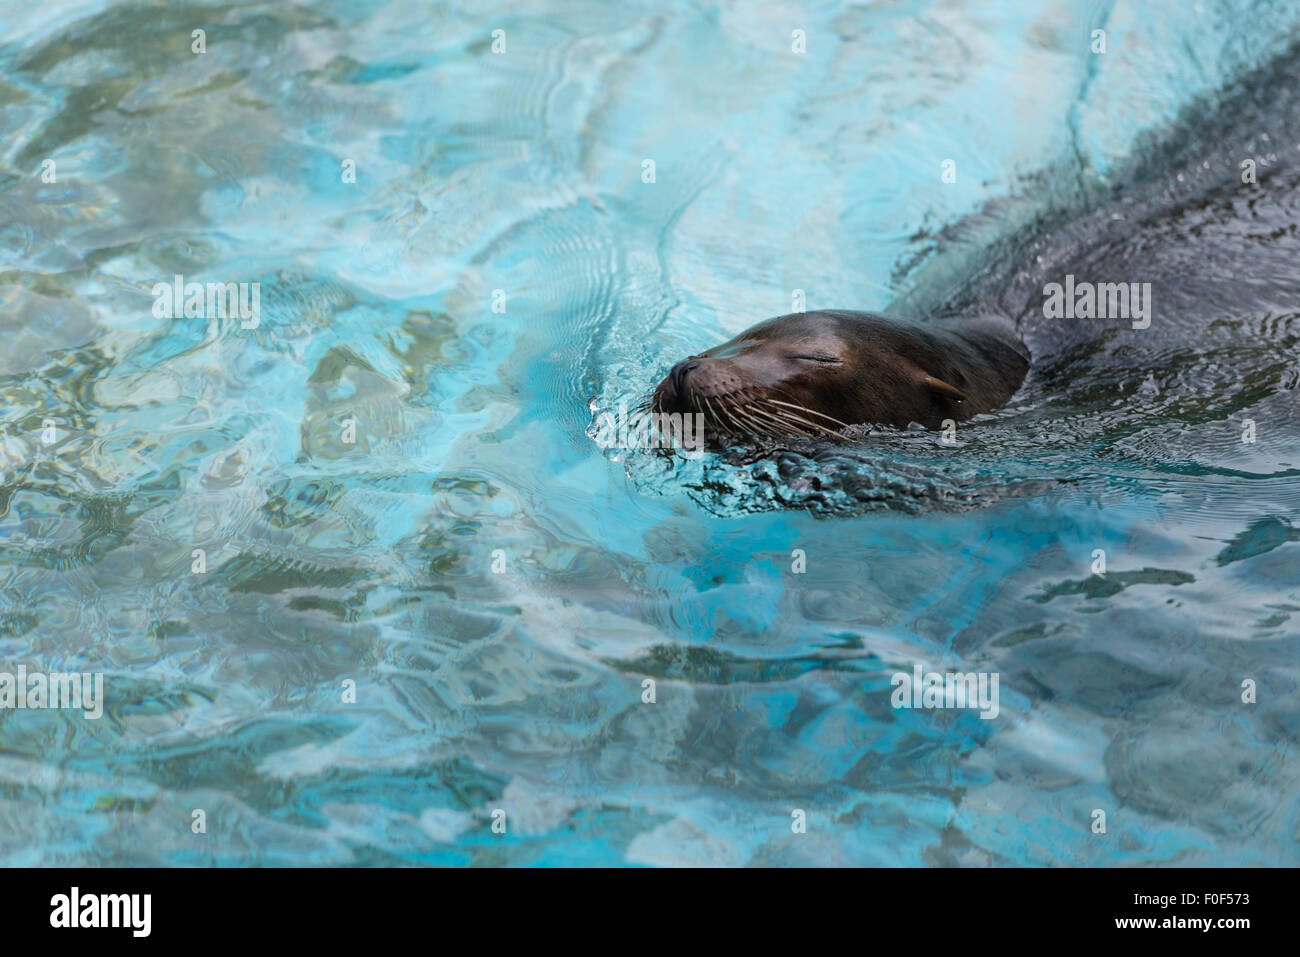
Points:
(521, 689)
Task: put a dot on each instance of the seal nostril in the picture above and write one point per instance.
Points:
(679, 373)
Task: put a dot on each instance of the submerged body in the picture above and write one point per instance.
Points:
(818, 373)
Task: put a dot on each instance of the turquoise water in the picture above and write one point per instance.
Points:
(496, 585)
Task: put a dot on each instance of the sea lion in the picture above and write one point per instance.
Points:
(815, 374)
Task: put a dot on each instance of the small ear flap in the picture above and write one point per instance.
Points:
(943, 388)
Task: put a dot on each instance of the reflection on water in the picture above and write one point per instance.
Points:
(358, 577)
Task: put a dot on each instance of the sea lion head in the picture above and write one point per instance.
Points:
(813, 375)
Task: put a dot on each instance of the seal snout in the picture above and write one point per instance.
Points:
(678, 374)
(700, 378)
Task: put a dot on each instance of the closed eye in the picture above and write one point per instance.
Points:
(829, 360)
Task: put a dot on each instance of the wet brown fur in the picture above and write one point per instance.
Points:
(817, 373)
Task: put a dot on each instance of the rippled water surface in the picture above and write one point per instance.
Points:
(496, 585)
